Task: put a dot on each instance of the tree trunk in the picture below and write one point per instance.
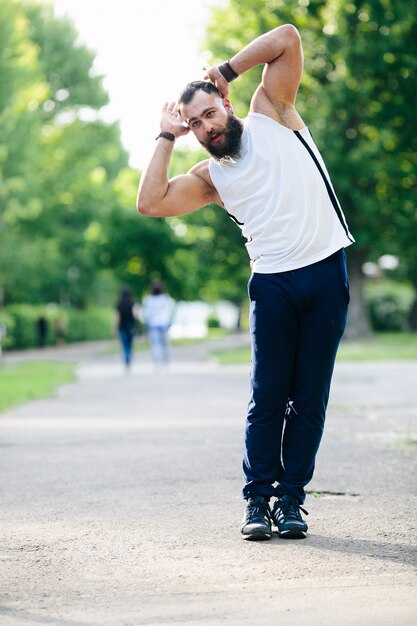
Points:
(412, 320)
(358, 323)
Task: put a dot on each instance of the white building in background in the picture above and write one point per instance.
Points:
(191, 318)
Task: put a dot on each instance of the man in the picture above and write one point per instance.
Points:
(269, 176)
(158, 312)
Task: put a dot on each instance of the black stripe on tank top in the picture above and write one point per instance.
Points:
(234, 219)
(330, 191)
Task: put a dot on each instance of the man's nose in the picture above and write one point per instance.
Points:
(208, 126)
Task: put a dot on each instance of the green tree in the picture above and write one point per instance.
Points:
(366, 89)
(67, 65)
(79, 163)
(57, 171)
(357, 98)
(190, 253)
(135, 248)
(22, 90)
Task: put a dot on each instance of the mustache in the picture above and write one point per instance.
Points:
(214, 132)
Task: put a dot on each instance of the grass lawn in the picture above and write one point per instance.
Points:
(381, 347)
(21, 382)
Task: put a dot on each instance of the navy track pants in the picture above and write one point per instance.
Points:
(297, 319)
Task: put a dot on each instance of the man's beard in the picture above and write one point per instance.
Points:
(229, 147)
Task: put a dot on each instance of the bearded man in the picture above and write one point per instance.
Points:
(268, 174)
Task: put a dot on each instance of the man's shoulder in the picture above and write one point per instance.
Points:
(201, 168)
(202, 171)
(284, 113)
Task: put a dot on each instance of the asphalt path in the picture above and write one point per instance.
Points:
(121, 505)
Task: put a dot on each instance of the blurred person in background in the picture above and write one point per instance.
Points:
(42, 330)
(60, 330)
(157, 313)
(127, 312)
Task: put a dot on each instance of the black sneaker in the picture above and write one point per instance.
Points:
(256, 523)
(287, 518)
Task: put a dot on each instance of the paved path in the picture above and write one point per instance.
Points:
(120, 503)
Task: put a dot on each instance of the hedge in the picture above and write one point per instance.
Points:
(62, 325)
(389, 305)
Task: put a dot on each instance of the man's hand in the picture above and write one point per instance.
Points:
(171, 121)
(216, 77)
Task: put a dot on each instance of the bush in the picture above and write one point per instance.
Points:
(389, 305)
(23, 333)
(213, 322)
(69, 325)
(92, 324)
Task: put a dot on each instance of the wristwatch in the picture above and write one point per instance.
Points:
(166, 135)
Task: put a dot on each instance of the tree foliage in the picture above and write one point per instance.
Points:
(357, 96)
(67, 195)
(56, 169)
(67, 220)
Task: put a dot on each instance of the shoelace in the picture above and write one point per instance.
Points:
(254, 509)
(291, 508)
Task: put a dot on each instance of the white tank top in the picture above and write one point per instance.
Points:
(279, 192)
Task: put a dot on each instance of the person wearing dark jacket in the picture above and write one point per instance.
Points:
(126, 323)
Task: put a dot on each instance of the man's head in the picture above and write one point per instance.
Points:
(211, 118)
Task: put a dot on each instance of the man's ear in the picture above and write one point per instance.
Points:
(227, 104)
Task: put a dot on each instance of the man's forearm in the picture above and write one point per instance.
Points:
(264, 49)
(154, 180)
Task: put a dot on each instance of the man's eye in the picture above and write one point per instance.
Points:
(195, 124)
(210, 113)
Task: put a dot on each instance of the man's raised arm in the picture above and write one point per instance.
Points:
(157, 195)
(281, 51)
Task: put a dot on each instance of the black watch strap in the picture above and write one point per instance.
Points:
(227, 72)
(166, 135)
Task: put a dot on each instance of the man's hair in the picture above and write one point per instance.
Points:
(189, 90)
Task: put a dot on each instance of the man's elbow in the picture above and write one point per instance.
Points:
(144, 207)
(291, 34)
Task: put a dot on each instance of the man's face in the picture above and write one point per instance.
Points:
(213, 123)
